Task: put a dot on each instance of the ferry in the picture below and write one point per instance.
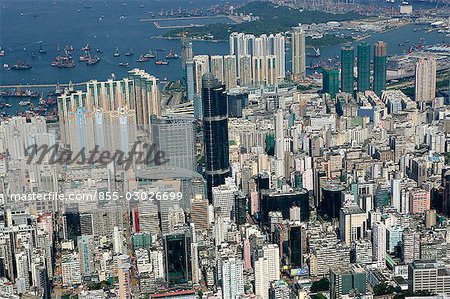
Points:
(161, 62)
(21, 66)
(116, 52)
(142, 58)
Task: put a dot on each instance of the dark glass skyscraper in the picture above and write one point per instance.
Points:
(379, 67)
(363, 67)
(330, 82)
(215, 124)
(177, 247)
(347, 66)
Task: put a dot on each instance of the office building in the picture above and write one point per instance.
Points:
(215, 124)
(330, 82)
(261, 278)
(419, 201)
(271, 252)
(298, 53)
(425, 79)
(175, 136)
(283, 201)
(223, 198)
(343, 280)
(379, 244)
(186, 52)
(363, 67)
(428, 276)
(124, 275)
(177, 246)
(236, 100)
(190, 80)
(379, 67)
(347, 69)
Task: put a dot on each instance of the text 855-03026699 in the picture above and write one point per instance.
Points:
(140, 195)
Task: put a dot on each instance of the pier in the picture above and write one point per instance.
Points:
(30, 86)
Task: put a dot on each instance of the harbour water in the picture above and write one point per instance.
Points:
(109, 24)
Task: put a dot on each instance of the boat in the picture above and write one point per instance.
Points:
(161, 62)
(160, 50)
(86, 48)
(93, 60)
(7, 105)
(129, 53)
(42, 50)
(116, 53)
(2, 53)
(315, 53)
(98, 50)
(149, 55)
(58, 49)
(33, 55)
(124, 64)
(172, 55)
(142, 59)
(21, 66)
(24, 103)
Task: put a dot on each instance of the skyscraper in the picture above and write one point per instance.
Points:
(229, 62)
(186, 52)
(270, 69)
(279, 50)
(190, 79)
(425, 79)
(261, 278)
(232, 278)
(215, 123)
(124, 275)
(379, 67)
(201, 68)
(177, 246)
(258, 70)
(363, 67)
(217, 67)
(347, 66)
(330, 82)
(245, 65)
(298, 53)
(176, 137)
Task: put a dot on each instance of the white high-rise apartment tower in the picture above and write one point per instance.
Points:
(425, 79)
(298, 53)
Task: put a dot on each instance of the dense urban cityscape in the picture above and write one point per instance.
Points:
(304, 156)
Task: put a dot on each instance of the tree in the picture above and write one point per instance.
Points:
(321, 285)
(383, 289)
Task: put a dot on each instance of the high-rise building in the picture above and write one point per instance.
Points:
(428, 276)
(346, 279)
(186, 51)
(215, 122)
(175, 136)
(236, 100)
(363, 67)
(261, 278)
(352, 224)
(232, 278)
(425, 79)
(177, 246)
(246, 75)
(223, 198)
(270, 70)
(190, 79)
(201, 67)
(199, 212)
(86, 253)
(298, 53)
(271, 252)
(330, 82)
(217, 67)
(279, 50)
(347, 69)
(230, 72)
(379, 67)
(379, 244)
(258, 68)
(295, 246)
(124, 275)
(419, 201)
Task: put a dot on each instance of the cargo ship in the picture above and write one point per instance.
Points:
(21, 66)
(172, 55)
